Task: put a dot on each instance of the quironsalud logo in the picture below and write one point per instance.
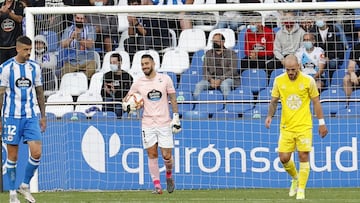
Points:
(93, 148)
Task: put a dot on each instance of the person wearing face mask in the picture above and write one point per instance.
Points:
(259, 42)
(288, 39)
(327, 37)
(312, 60)
(219, 69)
(47, 62)
(117, 83)
(78, 47)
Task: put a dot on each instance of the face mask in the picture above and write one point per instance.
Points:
(216, 46)
(289, 23)
(40, 51)
(114, 67)
(320, 23)
(98, 3)
(253, 28)
(308, 45)
(79, 24)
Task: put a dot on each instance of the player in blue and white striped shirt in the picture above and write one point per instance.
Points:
(20, 90)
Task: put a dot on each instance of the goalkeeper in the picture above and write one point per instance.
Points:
(157, 126)
(296, 89)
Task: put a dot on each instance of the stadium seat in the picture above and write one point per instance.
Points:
(192, 40)
(136, 70)
(124, 35)
(125, 61)
(123, 22)
(239, 94)
(240, 45)
(228, 34)
(52, 39)
(349, 111)
(88, 109)
(274, 73)
(355, 95)
(225, 115)
(191, 76)
(195, 115)
(74, 83)
(97, 60)
(337, 78)
(175, 60)
(96, 83)
(49, 116)
(104, 115)
(262, 107)
(254, 79)
(215, 97)
(332, 107)
(182, 97)
(58, 109)
(74, 116)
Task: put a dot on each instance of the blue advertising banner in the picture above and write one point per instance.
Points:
(108, 155)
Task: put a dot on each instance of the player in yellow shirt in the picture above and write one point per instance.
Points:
(295, 91)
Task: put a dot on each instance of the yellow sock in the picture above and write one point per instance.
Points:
(291, 169)
(304, 171)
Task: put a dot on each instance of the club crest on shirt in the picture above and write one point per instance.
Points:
(23, 83)
(154, 95)
(8, 25)
(293, 102)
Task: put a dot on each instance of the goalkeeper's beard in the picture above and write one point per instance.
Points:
(149, 72)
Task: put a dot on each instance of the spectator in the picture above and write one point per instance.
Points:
(11, 15)
(116, 85)
(78, 43)
(47, 62)
(307, 23)
(312, 60)
(146, 33)
(329, 39)
(288, 39)
(259, 45)
(352, 78)
(219, 69)
(105, 26)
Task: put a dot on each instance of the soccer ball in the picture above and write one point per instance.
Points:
(134, 101)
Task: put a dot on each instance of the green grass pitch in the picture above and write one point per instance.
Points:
(324, 195)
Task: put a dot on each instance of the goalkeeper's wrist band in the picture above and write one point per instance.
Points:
(321, 121)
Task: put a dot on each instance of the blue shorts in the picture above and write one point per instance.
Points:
(16, 128)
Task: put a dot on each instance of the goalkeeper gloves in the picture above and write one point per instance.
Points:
(127, 107)
(175, 123)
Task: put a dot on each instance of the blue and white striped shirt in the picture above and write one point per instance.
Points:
(20, 80)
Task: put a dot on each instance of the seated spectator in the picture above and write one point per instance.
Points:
(78, 43)
(312, 60)
(288, 39)
(329, 39)
(219, 69)
(105, 26)
(307, 23)
(146, 33)
(116, 85)
(352, 78)
(259, 45)
(47, 62)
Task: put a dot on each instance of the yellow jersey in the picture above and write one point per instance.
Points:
(295, 97)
